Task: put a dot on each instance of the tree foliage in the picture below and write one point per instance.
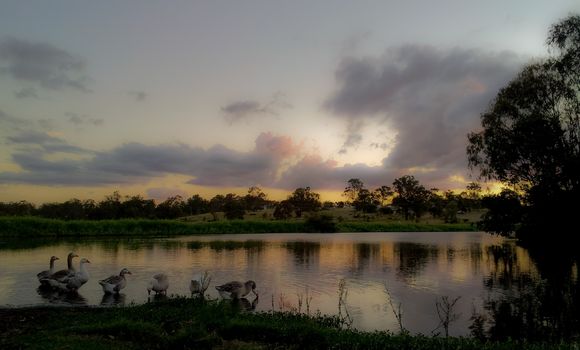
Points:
(411, 197)
(530, 136)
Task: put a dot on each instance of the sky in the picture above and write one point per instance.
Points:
(163, 98)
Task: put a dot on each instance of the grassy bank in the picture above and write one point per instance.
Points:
(198, 324)
(38, 227)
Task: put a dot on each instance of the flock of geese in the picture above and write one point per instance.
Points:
(70, 280)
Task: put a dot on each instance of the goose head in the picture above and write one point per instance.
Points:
(125, 272)
(53, 258)
(251, 286)
(85, 261)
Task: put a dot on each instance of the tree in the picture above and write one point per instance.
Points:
(216, 204)
(197, 205)
(304, 200)
(530, 135)
(255, 199)
(366, 201)
(412, 197)
(171, 208)
(351, 191)
(383, 193)
(283, 210)
(233, 207)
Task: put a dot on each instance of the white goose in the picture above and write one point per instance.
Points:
(115, 283)
(72, 282)
(237, 290)
(43, 275)
(158, 283)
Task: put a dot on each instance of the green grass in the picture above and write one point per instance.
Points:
(197, 324)
(29, 227)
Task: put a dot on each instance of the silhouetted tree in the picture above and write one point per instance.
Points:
(504, 212)
(530, 135)
(171, 208)
(304, 200)
(352, 189)
(283, 210)
(21, 208)
(255, 199)
(197, 205)
(233, 207)
(366, 201)
(382, 194)
(412, 197)
(138, 207)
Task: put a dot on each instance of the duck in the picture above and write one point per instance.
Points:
(47, 273)
(72, 282)
(237, 290)
(158, 283)
(70, 270)
(115, 283)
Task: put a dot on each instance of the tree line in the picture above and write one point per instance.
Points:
(406, 197)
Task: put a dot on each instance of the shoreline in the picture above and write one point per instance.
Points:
(197, 323)
(34, 227)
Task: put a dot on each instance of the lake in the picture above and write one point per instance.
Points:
(415, 268)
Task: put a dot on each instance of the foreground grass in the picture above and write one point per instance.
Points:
(28, 227)
(197, 324)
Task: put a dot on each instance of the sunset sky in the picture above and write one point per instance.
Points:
(160, 98)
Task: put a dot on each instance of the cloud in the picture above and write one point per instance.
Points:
(44, 142)
(431, 97)
(244, 109)
(136, 162)
(27, 92)
(80, 120)
(138, 95)
(48, 66)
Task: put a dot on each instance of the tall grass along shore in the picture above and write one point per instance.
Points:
(29, 227)
(199, 324)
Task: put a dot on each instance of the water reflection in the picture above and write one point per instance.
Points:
(495, 276)
(245, 304)
(305, 253)
(113, 299)
(414, 257)
(57, 297)
(531, 305)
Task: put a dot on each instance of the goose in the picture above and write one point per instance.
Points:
(70, 270)
(158, 283)
(47, 273)
(237, 290)
(201, 285)
(115, 283)
(195, 287)
(72, 282)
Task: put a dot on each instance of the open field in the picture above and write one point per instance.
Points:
(198, 324)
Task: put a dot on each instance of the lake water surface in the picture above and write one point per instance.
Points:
(416, 268)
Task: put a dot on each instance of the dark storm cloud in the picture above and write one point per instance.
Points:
(432, 97)
(242, 110)
(41, 63)
(136, 162)
(27, 92)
